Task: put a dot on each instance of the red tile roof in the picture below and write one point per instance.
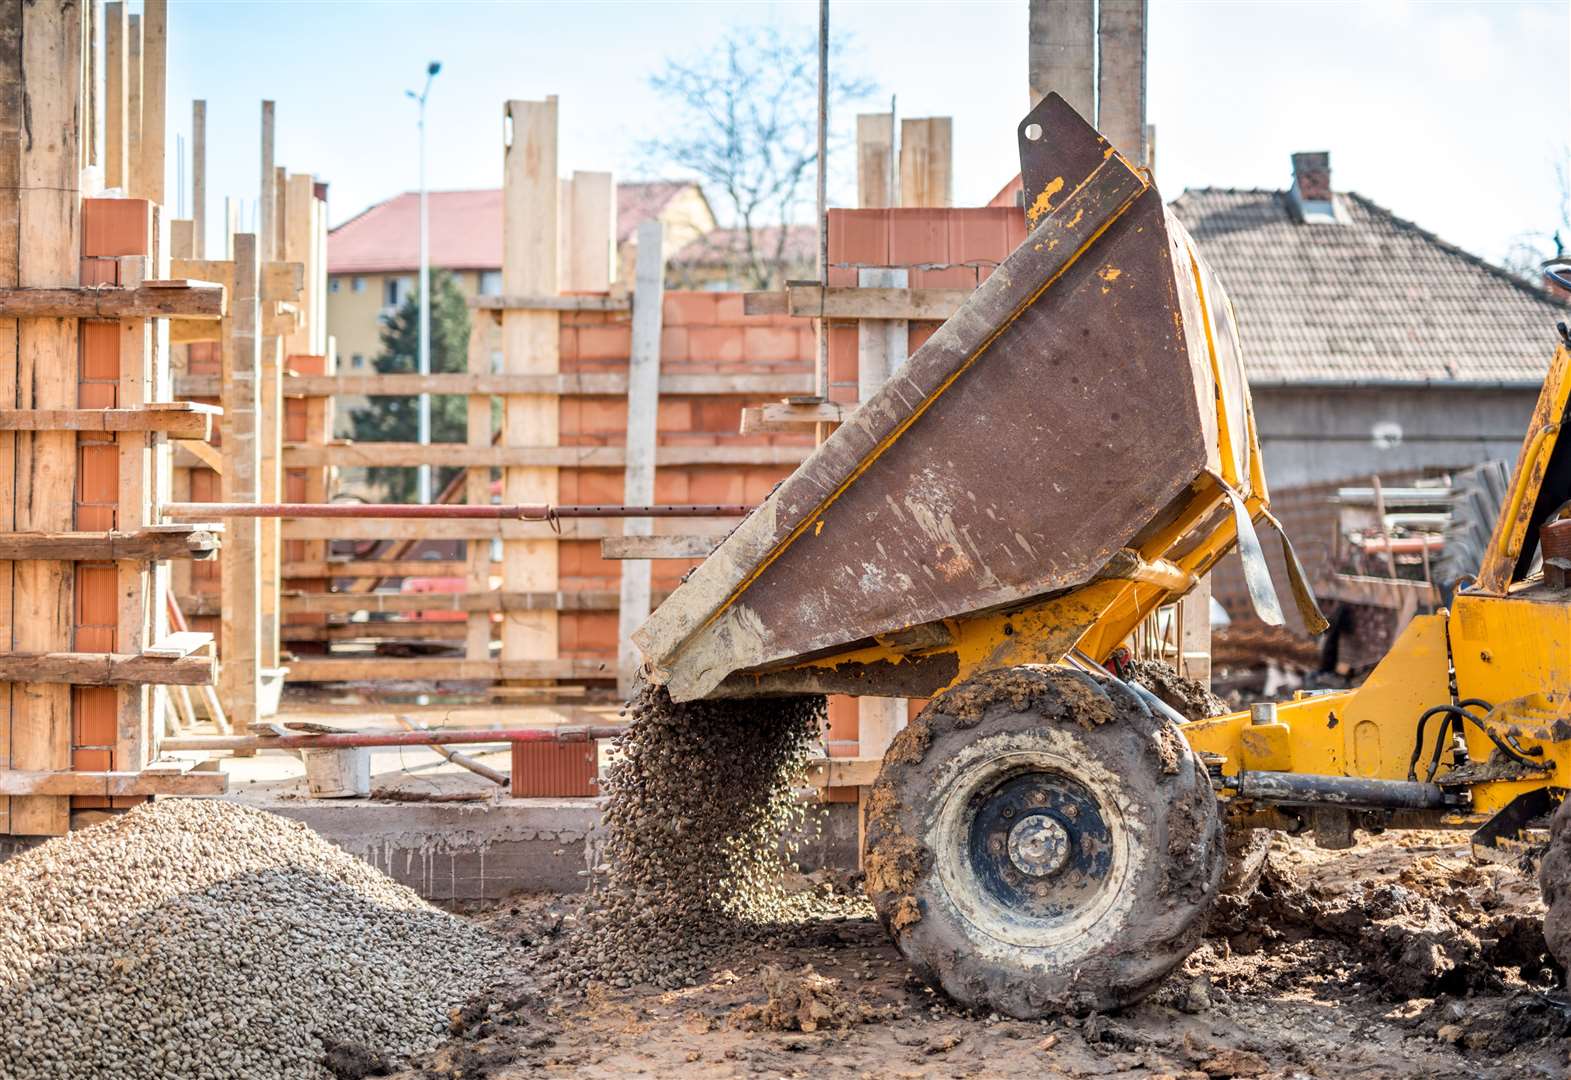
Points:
(466, 228)
(723, 247)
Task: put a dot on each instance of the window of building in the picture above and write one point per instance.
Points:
(357, 284)
(357, 360)
(332, 285)
(490, 283)
(392, 292)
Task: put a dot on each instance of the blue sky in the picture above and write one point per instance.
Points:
(1453, 115)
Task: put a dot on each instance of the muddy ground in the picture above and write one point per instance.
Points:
(1399, 958)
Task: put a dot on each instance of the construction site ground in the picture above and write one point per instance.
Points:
(1266, 996)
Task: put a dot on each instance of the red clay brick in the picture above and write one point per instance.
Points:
(716, 486)
(305, 364)
(91, 760)
(950, 277)
(603, 415)
(98, 486)
(601, 485)
(770, 343)
(859, 236)
(673, 343)
(674, 414)
(100, 271)
(690, 309)
(100, 349)
(294, 420)
(716, 344)
(917, 334)
(674, 486)
(728, 308)
(720, 415)
(918, 236)
(93, 711)
(603, 343)
(112, 227)
(96, 592)
(554, 770)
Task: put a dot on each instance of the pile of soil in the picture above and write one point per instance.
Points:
(800, 1001)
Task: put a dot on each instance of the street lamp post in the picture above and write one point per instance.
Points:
(425, 286)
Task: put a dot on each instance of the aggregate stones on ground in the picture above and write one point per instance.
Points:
(209, 940)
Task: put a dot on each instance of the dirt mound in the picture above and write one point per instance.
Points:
(1434, 930)
(204, 938)
(1554, 877)
(1194, 700)
(700, 796)
(800, 1001)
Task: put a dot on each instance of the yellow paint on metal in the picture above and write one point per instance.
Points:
(1266, 747)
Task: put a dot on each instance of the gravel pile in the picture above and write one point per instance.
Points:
(205, 939)
(700, 796)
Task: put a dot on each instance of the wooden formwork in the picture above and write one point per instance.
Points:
(86, 648)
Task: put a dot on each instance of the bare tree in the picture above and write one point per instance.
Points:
(745, 121)
(1530, 249)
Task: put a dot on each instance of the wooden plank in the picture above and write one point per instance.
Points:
(240, 628)
(155, 61)
(178, 644)
(572, 600)
(658, 547)
(526, 302)
(875, 160)
(195, 300)
(112, 784)
(267, 225)
(104, 669)
(848, 302)
(843, 772)
(191, 542)
(204, 452)
(589, 385)
(193, 422)
(530, 346)
(408, 455)
(46, 254)
(116, 30)
(642, 453)
(299, 245)
(589, 224)
(477, 489)
(927, 161)
(584, 529)
(381, 669)
(199, 179)
(765, 303)
(782, 416)
(381, 630)
(379, 568)
(133, 105)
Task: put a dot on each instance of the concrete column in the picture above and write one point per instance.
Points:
(1121, 76)
(1062, 55)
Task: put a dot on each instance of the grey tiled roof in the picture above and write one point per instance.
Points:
(1369, 298)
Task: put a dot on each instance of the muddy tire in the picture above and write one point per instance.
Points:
(1554, 879)
(1038, 842)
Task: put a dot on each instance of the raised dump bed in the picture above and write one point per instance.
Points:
(1072, 448)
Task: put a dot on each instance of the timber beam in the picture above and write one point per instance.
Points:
(808, 300)
(181, 299)
(153, 544)
(106, 669)
(178, 419)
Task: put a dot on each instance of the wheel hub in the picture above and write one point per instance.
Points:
(1038, 845)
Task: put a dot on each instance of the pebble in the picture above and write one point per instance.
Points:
(206, 940)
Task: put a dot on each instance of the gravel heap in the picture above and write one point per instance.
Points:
(205, 939)
(700, 796)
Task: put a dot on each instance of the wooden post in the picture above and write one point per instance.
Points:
(155, 54)
(300, 247)
(882, 345)
(875, 151)
(1194, 633)
(530, 345)
(199, 179)
(138, 601)
(477, 483)
(267, 201)
(40, 245)
(116, 56)
(1062, 53)
(590, 263)
(241, 625)
(927, 161)
(643, 407)
(1121, 76)
(133, 105)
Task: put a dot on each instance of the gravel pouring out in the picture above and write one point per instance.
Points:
(205, 939)
(700, 795)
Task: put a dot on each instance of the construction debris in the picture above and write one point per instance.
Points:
(205, 939)
(701, 795)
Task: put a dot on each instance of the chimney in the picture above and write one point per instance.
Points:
(1311, 191)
